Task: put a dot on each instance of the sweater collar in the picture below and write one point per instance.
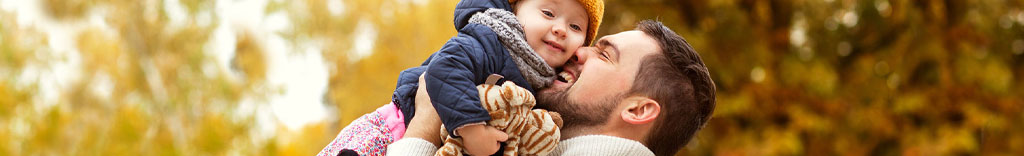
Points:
(601, 145)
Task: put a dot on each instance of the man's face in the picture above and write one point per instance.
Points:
(599, 79)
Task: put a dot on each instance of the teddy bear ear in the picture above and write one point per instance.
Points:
(493, 79)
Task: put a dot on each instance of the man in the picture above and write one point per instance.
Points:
(639, 92)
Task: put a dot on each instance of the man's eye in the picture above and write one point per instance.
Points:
(605, 54)
(548, 13)
(576, 27)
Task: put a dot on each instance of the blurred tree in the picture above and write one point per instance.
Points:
(843, 77)
(801, 77)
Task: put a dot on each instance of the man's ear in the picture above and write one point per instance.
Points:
(640, 110)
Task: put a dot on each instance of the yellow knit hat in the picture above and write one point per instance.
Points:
(595, 11)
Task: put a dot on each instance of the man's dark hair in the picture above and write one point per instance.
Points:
(678, 80)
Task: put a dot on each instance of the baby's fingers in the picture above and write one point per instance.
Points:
(498, 134)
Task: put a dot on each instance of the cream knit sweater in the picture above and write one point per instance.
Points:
(581, 145)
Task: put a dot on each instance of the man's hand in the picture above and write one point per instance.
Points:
(481, 139)
(425, 124)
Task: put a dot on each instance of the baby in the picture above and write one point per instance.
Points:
(525, 47)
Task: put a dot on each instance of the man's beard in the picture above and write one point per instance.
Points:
(576, 114)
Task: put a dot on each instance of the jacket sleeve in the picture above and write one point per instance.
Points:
(451, 81)
(405, 91)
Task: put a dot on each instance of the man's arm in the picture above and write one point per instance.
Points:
(426, 121)
(422, 136)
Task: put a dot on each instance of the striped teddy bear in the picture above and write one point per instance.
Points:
(530, 131)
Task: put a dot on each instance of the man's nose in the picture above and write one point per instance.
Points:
(583, 54)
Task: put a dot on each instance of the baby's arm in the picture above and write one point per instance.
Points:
(451, 83)
(451, 80)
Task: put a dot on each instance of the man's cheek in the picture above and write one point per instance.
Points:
(586, 92)
(581, 98)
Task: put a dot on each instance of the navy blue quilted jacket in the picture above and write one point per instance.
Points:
(453, 72)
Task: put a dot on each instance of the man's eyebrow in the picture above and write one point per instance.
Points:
(606, 43)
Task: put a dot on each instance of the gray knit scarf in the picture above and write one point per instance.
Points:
(510, 33)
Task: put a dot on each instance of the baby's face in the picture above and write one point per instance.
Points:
(554, 28)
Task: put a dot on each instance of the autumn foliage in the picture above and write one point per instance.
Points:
(797, 77)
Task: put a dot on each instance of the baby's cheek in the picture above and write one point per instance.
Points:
(568, 53)
(573, 46)
(577, 40)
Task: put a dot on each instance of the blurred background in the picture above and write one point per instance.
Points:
(282, 77)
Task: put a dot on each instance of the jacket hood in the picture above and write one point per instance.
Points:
(466, 8)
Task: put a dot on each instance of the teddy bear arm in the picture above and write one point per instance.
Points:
(451, 147)
(555, 117)
(538, 123)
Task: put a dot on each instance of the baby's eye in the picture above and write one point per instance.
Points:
(548, 13)
(575, 27)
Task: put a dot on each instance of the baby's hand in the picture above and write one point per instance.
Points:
(481, 139)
